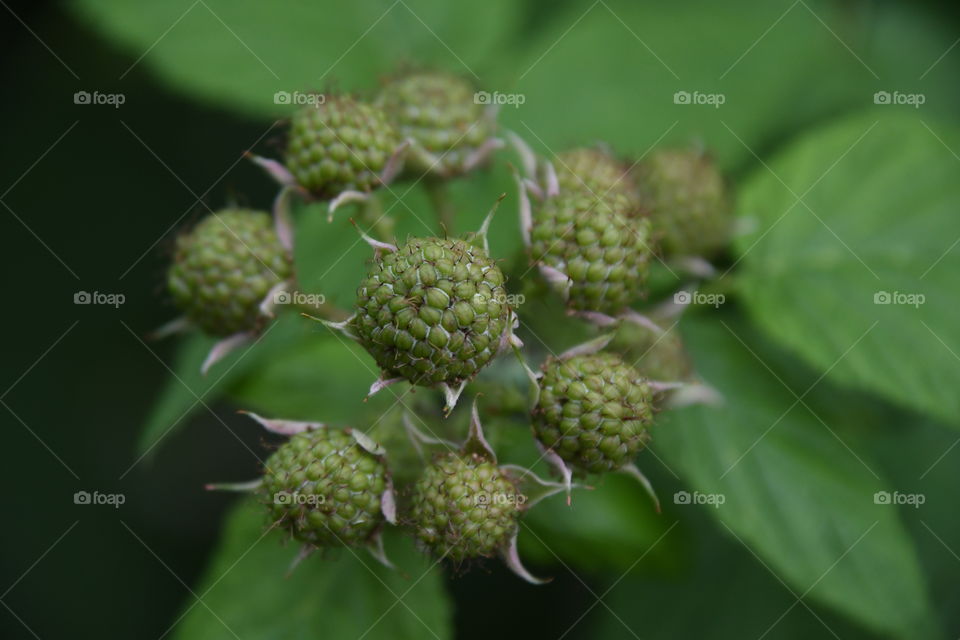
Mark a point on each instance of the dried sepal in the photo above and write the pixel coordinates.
(284, 427)
(634, 472)
(511, 557)
(225, 347)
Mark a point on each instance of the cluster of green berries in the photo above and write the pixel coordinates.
(325, 489)
(440, 114)
(434, 311)
(593, 411)
(593, 241)
(590, 234)
(597, 233)
(224, 268)
(339, 144)
(429, 120)
(686, 198)
(598, 173)
(465, 507)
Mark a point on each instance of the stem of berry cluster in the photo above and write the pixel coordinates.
(442, 204)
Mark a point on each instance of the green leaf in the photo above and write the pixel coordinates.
(796, 491)
(247, 593)
(325, 378)
(921, 458)
(692, 603)
(609, 71)
(606, 529)
(187, 390)
(238, 53)
(858, 277)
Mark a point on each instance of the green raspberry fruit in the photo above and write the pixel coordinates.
(325, 489)
(687, 200)
(594, 242)
(657, 356)
(338, 145)
(464, 507)
(596, 171)
(439, 112)
(224, 268)
(433, 311)
(593, 411)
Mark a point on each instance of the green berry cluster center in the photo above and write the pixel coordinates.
(433, 311)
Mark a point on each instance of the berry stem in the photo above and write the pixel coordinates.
(442, 204)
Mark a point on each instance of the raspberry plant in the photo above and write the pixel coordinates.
(835, 210)
(438, 312)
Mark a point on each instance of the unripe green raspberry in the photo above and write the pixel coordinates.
(325, 489)
(224, 268)
(593, 411)
(598, 172)
(657, 356)
(464, 506)
(687, 200)
(434, 311)
(595, 243)
(439, 112)
(338, 145)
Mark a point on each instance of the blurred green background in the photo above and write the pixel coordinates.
(93, 195)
